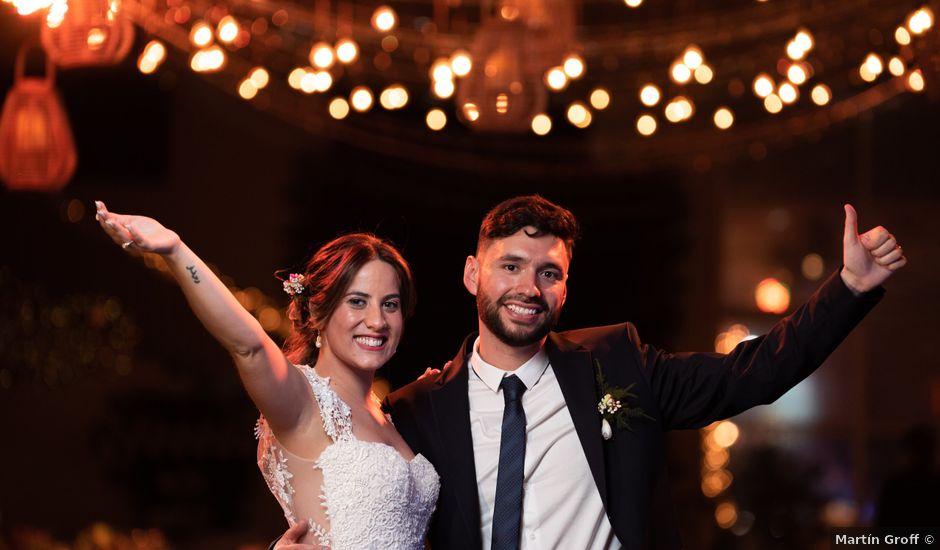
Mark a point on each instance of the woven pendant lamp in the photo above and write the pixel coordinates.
(91, 32)
(37, 152)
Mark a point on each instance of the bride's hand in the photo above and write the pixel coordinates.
(139, 232)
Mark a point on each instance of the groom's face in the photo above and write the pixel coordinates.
(520, 283)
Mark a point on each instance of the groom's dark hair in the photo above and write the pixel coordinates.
(511, 215)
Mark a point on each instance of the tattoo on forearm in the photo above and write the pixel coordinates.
(192, 273)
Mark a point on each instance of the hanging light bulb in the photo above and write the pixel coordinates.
(384, 19)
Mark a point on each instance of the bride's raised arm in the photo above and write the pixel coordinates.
(278, 390)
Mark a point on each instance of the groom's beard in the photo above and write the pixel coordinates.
(511, 334)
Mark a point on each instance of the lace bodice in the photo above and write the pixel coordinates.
(366, 494)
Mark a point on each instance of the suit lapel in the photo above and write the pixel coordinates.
(451, 408)
(575, 374)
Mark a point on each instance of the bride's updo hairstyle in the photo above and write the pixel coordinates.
(326, 278)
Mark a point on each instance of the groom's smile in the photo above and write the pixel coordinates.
(520, 285)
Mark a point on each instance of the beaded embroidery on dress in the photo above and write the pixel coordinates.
(371, 495)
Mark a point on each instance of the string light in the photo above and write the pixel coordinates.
(633, 3)
(723, 118)
(259, 77)
(339, 108)
(901, 36)
(680, 73)
(693, 57)
(394, 97)
(920, 21)
(646, 125)
(201, 34)
(796, 74)
(896, 66)
(295, 78)
(541, 124)
(321, 55)
(152, 57)
(361, 99)
(573, 66)
(821, 94)
(208, 60)
(461, 63)
(871, 67)
(556, 79)
(384, 19)
(247, 89)
(773, 104)
(915, 81)
(579, 115)
(787, 93)
(347, 50)
(600, 99)
(436, 119)
(650, 95)
(444, 88)
(227, 30)
(703, 74)
(763, 85)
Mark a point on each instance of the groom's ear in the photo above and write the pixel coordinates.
(470, 271)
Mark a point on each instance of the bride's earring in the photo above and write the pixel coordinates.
(318, 342)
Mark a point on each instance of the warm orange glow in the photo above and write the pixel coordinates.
(444, 88)
(726, 514)
(579, 115)
(247, 89)
(361, 98)
(772, 296)
(541, 124)
(201, 34)
(339, 108)
(650, 95)
(259, 77)
(150, 59)
(788, 93)
(920, 21)
(915, 81)
(727, 340)
(797, 74)
(346, 50)
(703, 74)
(723, 118)
(821, 94)
(693, 57)
(680, 73)
(394, 97)
(436, 119)
(461, 63)
(208, 60)
(902, 37)
(471, 111)
(725, 434)
(646, 125)
(295, 78)
(441, 70)
(384, 19)
(228, 29)
(633, 3)
(556, 79)
(321, 55)
(896, 66)
(573, 66)
(600, 99)
(716, 459)
(763, 85)
(773, 104)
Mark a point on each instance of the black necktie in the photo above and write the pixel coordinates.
(507, 511)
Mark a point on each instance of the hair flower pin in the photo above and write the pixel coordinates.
(294, 285)
(612, 405)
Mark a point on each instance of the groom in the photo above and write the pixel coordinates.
(513, 425)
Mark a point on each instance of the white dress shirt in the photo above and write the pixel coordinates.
(561, 507)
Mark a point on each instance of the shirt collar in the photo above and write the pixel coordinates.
(529, 372)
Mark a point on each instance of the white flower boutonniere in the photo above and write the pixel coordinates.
(611, 405)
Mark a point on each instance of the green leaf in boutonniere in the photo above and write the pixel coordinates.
(613, 406)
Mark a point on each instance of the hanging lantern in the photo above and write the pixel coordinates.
(37, 152)
(501, 93)
(89, 32)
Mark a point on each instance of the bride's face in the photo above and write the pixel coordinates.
(364, 330)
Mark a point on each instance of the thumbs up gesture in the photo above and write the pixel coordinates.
(870, 258)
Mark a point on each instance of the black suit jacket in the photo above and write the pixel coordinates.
(678, 390)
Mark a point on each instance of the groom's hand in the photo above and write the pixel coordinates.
(870, 258)
(290, 540)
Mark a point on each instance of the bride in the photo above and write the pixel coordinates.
(332, 459)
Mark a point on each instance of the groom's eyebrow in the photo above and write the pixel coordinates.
(512, 258)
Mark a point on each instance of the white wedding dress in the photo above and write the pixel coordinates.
(357, 494)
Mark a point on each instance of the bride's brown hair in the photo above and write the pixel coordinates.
(327, 276)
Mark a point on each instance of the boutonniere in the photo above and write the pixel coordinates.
(614, 407)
